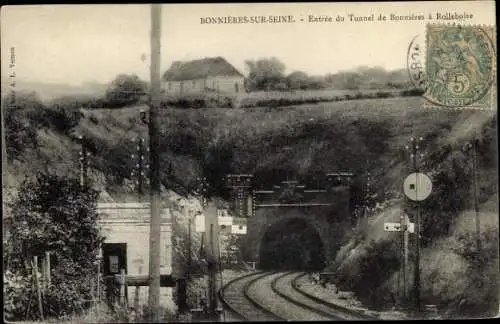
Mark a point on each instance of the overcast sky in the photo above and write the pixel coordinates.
(78, 43)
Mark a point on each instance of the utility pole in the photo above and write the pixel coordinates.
(84, 154)
(212, 257)
(155, 223)
(415, 147)
(471, 150)
(404, 224)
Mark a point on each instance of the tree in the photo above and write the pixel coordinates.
(297, 80)
(55, 214)
(125, 90)
(265, 74)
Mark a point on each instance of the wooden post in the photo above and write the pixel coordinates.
(123, 286)
(154, 156)
(47, 268)
(137, 292)
(37, 285)
(212, 256)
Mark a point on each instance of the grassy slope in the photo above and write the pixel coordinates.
(360, 136)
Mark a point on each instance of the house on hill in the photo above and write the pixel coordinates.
(203, 75)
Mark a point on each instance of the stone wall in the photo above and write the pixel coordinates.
(129, 223)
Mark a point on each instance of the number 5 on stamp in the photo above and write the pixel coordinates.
(460, 66)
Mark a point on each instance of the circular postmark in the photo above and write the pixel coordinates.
(415, 60)
(459, 68)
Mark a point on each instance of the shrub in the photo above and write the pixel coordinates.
(62, 118)
(481, 293)
(381, 94)
(58, 215)
(125, 90)
(94, 119)
(23, 117)
(18, 293)
(198, 100)
(412, 93)
(366, 275)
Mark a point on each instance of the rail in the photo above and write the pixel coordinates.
(246, 298)
(350, 312)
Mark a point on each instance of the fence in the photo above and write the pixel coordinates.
(117, 292)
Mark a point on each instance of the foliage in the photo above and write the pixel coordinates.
(298, 80)
(481, 293)
(265, 74)
(368, 78)
(199, 100)
(125, 90)
(367, 274)
(23, 116)
(54, 214)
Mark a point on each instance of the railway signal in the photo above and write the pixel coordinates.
(417, 187)
(471, 149)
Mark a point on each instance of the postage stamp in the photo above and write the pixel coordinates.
(460, 66)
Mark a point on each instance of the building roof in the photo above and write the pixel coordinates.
(200, 69)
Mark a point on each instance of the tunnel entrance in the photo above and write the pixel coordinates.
(292, 245)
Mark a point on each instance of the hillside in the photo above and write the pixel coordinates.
(360, 136)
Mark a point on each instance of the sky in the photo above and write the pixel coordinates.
(73, 44)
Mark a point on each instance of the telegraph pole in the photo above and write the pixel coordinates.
(471, 149)
(416, 282)
(155, 223)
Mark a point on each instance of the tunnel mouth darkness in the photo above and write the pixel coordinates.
(291, 245)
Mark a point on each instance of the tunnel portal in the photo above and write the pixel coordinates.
(292, 244)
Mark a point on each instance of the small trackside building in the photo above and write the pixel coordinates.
(203, 75)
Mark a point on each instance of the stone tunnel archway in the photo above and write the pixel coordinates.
(319, 227)
(292, 244)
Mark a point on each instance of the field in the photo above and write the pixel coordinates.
(277, 98)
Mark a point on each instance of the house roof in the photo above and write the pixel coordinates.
(200, 69)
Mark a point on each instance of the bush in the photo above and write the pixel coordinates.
(58, 215)
(367, 274)
(63, 119)
(412, 93)
(481, 293)
(125, 90)
(381, 94)
(199, 100)
(23, 117)
(18, 293)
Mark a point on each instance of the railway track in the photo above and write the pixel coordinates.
(277, 297)
(234, 295)
(320, 305)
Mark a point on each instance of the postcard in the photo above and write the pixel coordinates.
(250, 161)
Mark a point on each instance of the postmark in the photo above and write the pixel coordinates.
(415, 60)
(460, 66)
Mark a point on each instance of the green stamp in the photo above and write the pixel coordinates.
(460, 66)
